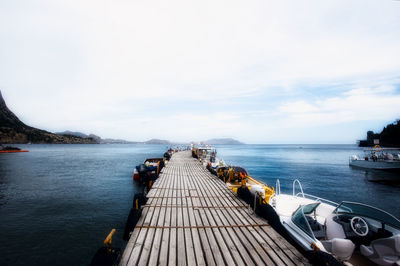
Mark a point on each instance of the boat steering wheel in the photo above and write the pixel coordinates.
(359, 226)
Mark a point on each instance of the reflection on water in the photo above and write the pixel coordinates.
(382, 176)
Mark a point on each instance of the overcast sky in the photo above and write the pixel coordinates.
(305, 71)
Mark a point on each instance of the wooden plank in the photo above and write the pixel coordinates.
(205, 244)
(199, 255)
(244, 218)
(244, 245)
(172, 242)
(225, 219)
(163, 260)
(254, 248)
(144, 257)
(180, 232)
(155, 248)
(192, 218)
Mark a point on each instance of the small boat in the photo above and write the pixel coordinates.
(377, 158)
(239, 181)
(149, 169)
(354, 233)
(9, 149)
(204, 153)
(214, 163)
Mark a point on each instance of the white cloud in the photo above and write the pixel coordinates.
(104, 65)
(380, 103)
(297, 107)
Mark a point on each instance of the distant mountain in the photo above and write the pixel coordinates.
(77, 134)
(157, 141)
(116, 141)
(95, 137)
(13, 130)
(222, 141)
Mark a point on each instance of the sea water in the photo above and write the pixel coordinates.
(59, 202)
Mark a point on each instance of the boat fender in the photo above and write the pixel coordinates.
(208, 167)
(322, 258)
(244, 194)
(131, 222)
(212, 170)
(139, 200)
(267, 212)
(104, 257)
(162, 164)
(167, 156)
(136, 176)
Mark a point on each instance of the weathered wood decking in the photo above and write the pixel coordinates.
(192, 218)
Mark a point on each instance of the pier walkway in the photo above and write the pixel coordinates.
(193, 218)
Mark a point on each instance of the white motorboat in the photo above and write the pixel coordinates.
(214, 163)
(204, 153)
(352, 232)
(377, 158)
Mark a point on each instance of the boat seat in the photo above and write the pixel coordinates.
(333, 229)
(316, 227)
(340, 248)
(384, 251)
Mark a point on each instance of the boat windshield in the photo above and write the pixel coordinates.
(310, 208)
(299, 218)
(367, 211)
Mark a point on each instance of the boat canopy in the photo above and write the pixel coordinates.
(367, 211)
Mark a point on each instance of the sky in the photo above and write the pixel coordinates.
(259, 71)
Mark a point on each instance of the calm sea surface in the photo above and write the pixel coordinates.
(59, 202)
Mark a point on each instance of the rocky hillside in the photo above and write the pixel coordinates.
(389, 137)
(13, 130)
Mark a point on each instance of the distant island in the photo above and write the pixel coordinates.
(13, 130)
(158, 141)
(222, 141)
(95, 138)
(389, 137)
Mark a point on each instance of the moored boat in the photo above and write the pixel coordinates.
(149, 169)
(10, 149)
(377, 158)
(204, 154)
(239, 181)
(354, 233)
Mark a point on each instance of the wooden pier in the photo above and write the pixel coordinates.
(193, 218)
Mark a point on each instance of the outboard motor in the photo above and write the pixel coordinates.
(142, 172)
(257, 190)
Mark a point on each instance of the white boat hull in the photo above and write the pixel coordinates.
(378, 165)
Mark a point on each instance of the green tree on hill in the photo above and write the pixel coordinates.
(390, 135)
